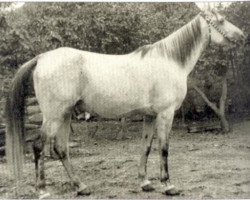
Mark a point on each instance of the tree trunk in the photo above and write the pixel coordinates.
(231, 58)
(224, 123)
(221, 110)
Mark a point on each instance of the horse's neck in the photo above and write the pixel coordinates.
(197, 49)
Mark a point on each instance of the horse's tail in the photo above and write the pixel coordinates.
(14, 111)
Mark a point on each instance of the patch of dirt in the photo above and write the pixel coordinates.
(201, 165)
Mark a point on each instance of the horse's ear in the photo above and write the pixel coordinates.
(205, 7)
(200, 5)
(209, 7)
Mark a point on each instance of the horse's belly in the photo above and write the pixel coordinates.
(111, 106)
(114, 100)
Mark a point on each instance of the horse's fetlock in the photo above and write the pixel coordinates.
(165, 178)
(141, 175)
(40, 184)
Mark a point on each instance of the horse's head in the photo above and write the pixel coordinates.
(221, 31)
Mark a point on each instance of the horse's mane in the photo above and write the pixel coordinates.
(178, 45)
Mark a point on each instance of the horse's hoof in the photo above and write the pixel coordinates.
(43, 194)
(170, 190)
(146, 186)
(83, 191)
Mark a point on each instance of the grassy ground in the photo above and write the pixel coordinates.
(204, 165)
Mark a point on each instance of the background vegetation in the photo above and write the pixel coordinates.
(118, 28)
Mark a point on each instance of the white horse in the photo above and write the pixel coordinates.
(152, 81)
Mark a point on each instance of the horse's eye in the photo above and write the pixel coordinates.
(221, 20)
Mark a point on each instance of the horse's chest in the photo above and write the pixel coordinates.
(181, 92)
(169, 94)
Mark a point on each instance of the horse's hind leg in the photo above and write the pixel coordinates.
(39, 153)
(147, 138)
(62, 150)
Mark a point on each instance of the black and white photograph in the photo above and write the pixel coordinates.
(124, 100)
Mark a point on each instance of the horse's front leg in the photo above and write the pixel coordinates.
(163, 125)
(147, 138)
